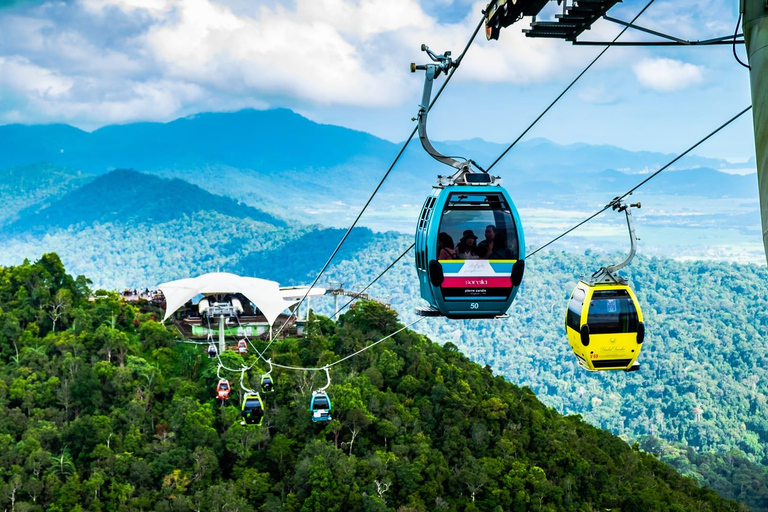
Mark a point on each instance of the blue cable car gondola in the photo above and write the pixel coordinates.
(461, 276)
(470, 249)
(320, 406)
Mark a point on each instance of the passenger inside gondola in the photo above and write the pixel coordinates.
(485, 248)
(500, 249)
(467, 248)
(445, 247)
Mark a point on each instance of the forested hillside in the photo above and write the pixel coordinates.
(35, 185)
(101, 410)
(699, 400)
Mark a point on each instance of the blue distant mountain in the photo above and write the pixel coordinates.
(280, 140)
(129, 198)
(280, 162)
(264, 140)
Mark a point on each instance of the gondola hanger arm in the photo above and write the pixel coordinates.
(242, 373)
(328, 383)
(609, 273)
(442, 64)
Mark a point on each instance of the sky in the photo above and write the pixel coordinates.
(90, 63)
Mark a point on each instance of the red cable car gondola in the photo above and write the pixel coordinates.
(223, 389)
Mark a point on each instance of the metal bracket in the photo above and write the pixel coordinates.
(671, 40)
(443, 64)
(608, 275)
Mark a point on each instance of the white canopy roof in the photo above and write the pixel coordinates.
(264, 294)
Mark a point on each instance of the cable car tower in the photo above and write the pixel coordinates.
(224, 311)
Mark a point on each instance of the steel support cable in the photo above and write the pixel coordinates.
(514, 143)
(350, 356)
(376, 279)
(317, 369)
(386, 174)
(646, 180)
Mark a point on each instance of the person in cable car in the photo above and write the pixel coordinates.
(223, 389)
(252, 410)
(242, 347)
(445, 247)
(467, 248)
(320, 407)
(485, 248)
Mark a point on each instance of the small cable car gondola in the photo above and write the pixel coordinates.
(242, 347)
(267, 385)
(603, 321)
(320, 407)
(470, 249)
(320, 404)
(212, 352)
(223, 389)
(252, 409)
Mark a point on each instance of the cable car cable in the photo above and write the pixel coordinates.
(646, 180)
(296, 368)
(386, 174)
(375, 279)
(319, 369)
(504, 153)
(735, 34)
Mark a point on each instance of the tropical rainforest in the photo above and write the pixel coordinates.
(101, 409)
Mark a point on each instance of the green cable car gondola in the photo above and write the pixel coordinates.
(253, 409)
(266, 384)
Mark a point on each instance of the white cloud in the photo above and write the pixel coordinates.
(156, 7)
(19, 74)
(662, 74)
(153, 100)
(304, 54)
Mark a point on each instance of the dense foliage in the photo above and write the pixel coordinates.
(101, 410)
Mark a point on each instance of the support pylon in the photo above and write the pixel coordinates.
(755, 26)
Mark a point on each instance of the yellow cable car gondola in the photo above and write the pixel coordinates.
(603, 321)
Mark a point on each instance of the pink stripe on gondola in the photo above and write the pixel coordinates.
(477, 282)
